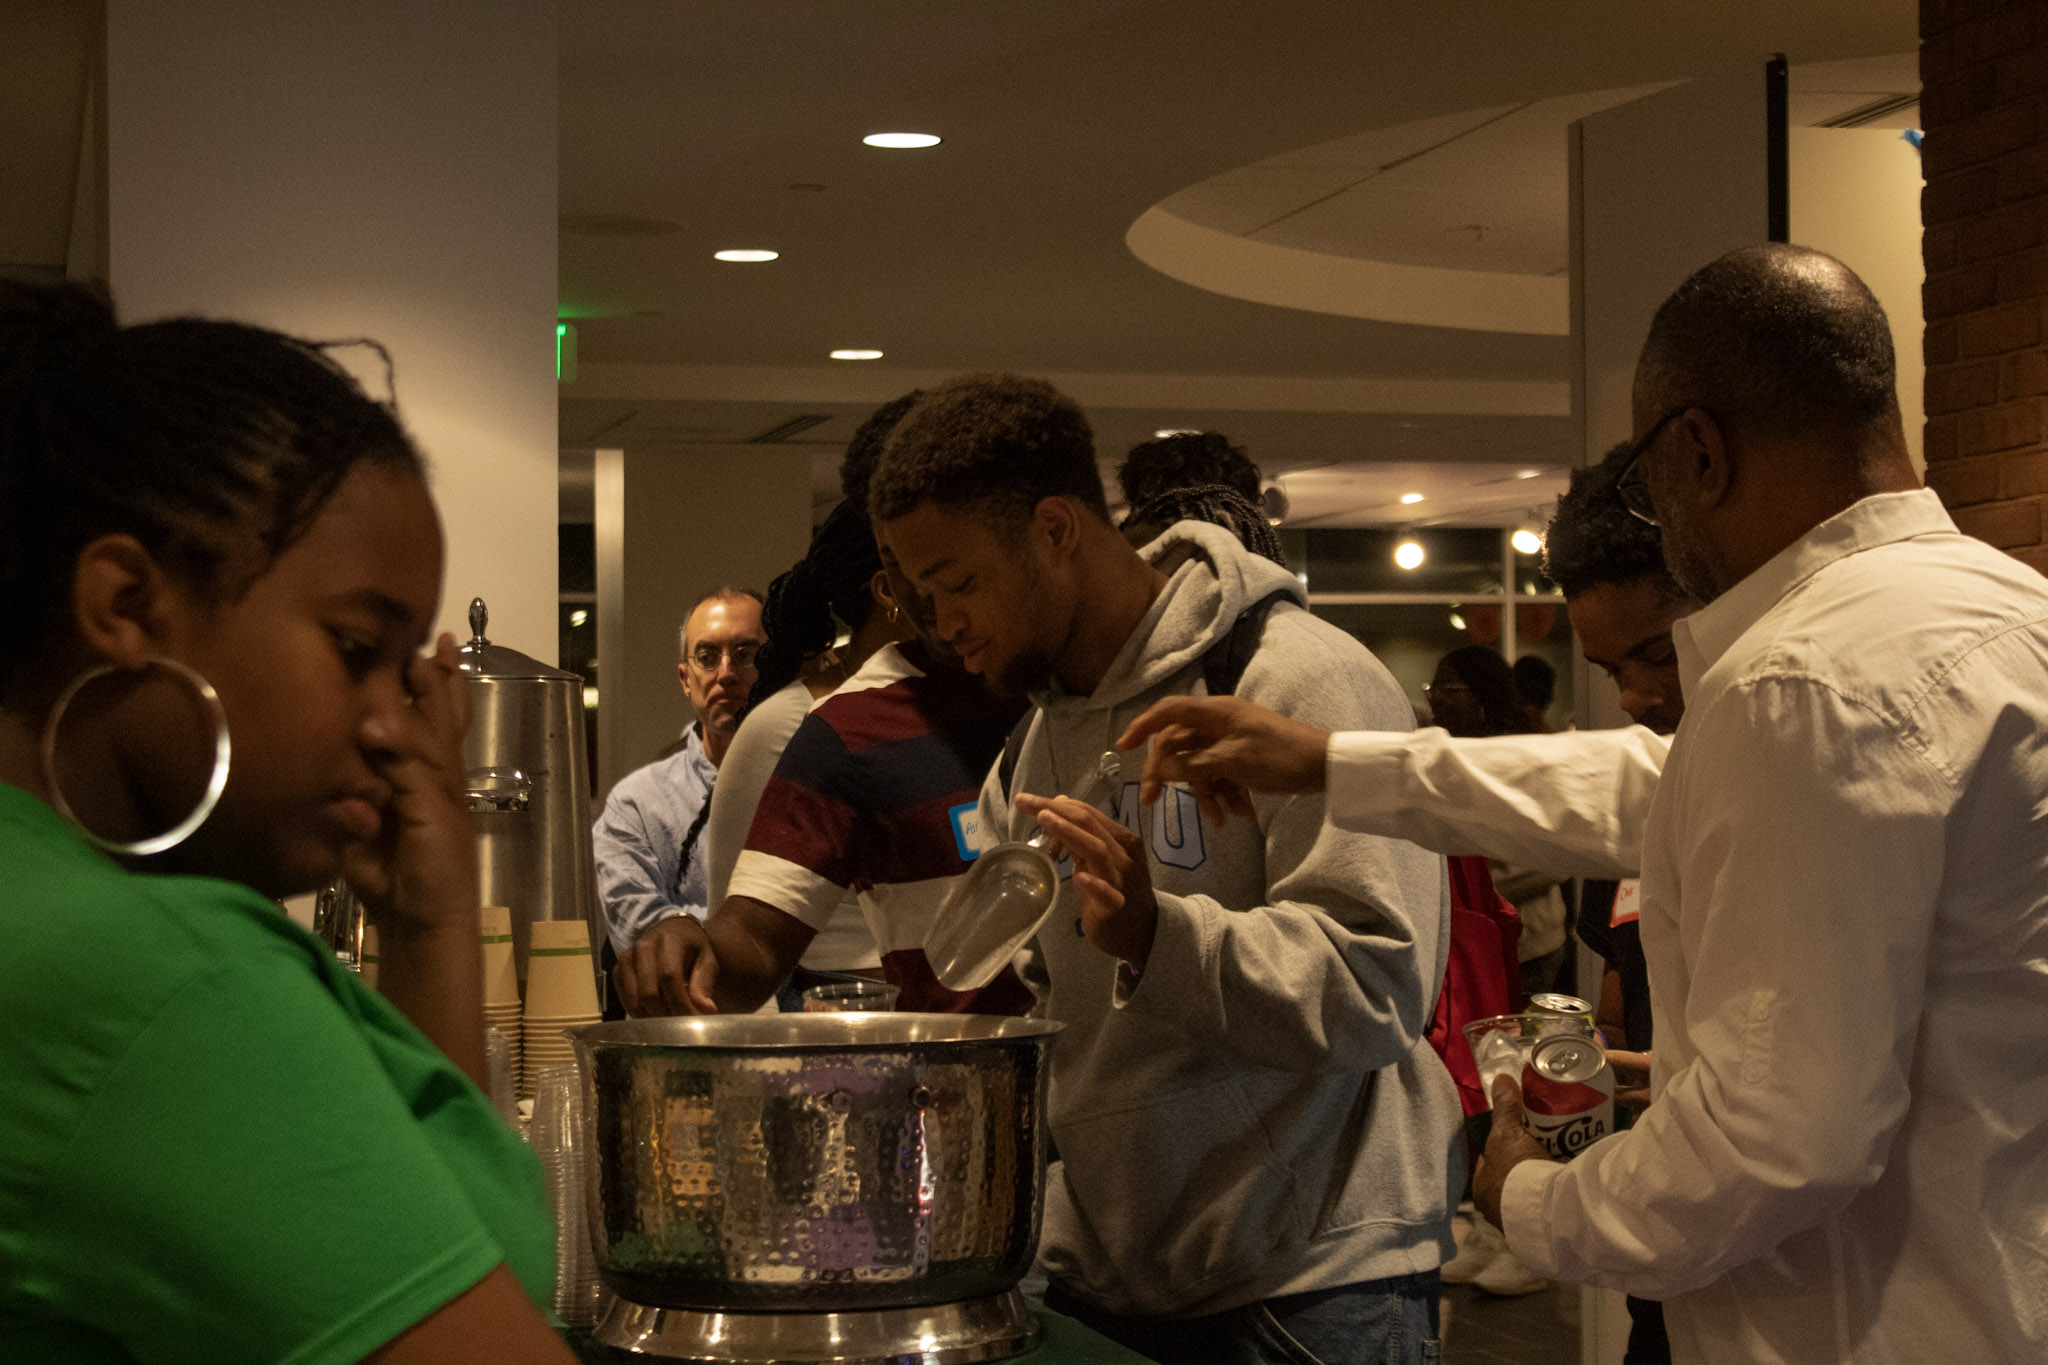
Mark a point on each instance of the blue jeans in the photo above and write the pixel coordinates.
(1374, 1322)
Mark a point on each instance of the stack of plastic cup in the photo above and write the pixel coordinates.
(561, 993)
(503, 1077)
(369, 958)
(557, 1138)
(502, 1010)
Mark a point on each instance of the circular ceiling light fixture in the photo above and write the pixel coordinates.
(746, 256)
(1526, 541)
(1529, 473)
(902, 141)
(856, 355)
(1410, 499)
(1164, 432)
(1409, 555)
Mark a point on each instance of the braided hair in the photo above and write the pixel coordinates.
(864, 451)
(1216, 504)
(830, 581)
(214, 444)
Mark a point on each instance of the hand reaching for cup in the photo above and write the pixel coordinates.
(1223, 749)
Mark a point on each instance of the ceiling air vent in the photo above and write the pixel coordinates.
(790, 430)
(618, 225)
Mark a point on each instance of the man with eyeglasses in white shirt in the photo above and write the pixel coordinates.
(1845, 870)
(650, 863)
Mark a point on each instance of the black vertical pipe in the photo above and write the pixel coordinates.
(1778, 187)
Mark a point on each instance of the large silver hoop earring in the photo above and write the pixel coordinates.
(216, 781)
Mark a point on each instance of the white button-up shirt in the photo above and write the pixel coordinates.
(1574, 804)
(1845, 915)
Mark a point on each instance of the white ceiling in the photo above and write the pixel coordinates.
(690, 127)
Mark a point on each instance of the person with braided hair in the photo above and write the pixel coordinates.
(834, 584)
(1214, 503)
(219, 569)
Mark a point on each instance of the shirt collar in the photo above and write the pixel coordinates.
(1880, 519)
(693, 749)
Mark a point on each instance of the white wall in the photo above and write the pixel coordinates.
(672, 524)
(1855, 194)
(1660, 186)
(346, 168)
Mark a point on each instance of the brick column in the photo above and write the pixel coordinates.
(1984, 107)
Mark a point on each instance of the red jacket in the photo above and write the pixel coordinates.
(1481, 974)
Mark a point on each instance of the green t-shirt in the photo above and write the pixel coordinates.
(216, 1145)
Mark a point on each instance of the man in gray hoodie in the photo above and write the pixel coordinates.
(1258, 1147)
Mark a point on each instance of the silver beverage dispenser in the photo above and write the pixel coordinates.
(529, 790)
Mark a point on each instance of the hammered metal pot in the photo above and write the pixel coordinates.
(814, 1162)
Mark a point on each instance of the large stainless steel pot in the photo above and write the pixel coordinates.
(529, 789)
(814, 1162)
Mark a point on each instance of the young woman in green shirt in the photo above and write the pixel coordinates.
(215, 1144)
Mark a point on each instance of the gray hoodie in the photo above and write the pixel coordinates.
(1261, 1113)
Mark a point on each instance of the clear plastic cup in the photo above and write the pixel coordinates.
(1504, 1043)
(848, 997)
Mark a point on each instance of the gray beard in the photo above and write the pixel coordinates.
(1690, 567)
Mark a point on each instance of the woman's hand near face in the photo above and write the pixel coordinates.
(420, 871)
(417, 879)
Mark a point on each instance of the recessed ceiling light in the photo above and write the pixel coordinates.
(856, 355)
(745, 255)
(902, 141)
(1409, 555)
(1528, 474)
(1526, 541)
(1411, 498)
(1164, 432)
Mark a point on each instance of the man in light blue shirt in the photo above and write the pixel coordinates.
(649, 861)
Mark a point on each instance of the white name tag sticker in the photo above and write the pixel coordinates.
(1628, 903)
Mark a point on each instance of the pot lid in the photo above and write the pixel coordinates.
(482, 659)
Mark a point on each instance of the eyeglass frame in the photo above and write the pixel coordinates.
(740, 663)
(1632, 485)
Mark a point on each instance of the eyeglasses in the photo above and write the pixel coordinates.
(707, 656)
(1633, 485)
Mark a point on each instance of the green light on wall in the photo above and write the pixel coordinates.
(565, 353)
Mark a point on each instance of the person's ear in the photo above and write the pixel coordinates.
(123, 604)
(1056, 523)
(1710, 465)
(878, 588)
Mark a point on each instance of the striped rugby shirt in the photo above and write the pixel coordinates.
(877, 794)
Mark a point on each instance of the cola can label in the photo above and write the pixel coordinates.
(1568, 1095)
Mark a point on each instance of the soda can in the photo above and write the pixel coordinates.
(1550, 1002)
(1568, 1058)
(1568, 1094)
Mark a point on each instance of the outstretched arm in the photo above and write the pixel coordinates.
(1571, 804)
(1222, 749)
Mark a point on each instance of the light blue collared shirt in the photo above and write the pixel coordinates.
(641, 876)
